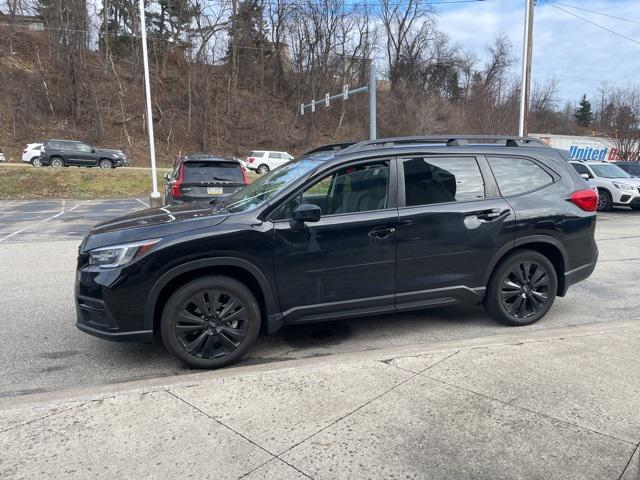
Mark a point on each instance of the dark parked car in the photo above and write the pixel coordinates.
(376, 227)
(65, 153)
(632, 168)
(198, 178)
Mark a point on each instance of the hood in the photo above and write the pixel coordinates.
(109, 150)
(152, 223)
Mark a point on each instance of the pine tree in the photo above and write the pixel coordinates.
(583, 113)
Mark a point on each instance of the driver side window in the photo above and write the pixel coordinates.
(358, 188)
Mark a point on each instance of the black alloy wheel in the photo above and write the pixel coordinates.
(210, 322)
(525, 289)
(522, 288)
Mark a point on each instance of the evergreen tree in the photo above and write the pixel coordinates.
(583, 113)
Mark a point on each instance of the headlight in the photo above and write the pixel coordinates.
(623, 186)
(119, 255)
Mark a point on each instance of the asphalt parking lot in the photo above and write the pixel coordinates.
(41, 350)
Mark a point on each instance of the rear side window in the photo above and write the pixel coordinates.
(516, 176)
(212, 172)
(55, 145)
(430, 180)
(256, 153)
(275, 155)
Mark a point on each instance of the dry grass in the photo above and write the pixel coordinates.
(27, 182)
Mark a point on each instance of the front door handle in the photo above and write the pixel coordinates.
(382, 232)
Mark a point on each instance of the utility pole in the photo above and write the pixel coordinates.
(155, 195)
(525, 90)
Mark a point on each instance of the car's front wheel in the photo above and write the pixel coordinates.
(210, 322)
(522, 288)
(605, 202)
(35, 161)
(104, 163)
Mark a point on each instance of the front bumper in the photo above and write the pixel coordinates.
(105, 310)
(139, 336)
(627, 198)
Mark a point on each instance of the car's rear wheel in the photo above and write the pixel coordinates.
(35, 161)
(104, 163)
(605, 202)
(210, 322)
(522, 288)
(56, 162)
(262, 169)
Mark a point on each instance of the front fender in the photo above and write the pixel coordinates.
(274, 317)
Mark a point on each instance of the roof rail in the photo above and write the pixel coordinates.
(330, 147)
(449, 140)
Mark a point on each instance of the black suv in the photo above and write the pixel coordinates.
(64, 153)
(374, 227)
(201, 177)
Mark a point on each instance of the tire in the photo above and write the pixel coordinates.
(56, 162)
(517, 295)
(214, 342)
(262, 169)
(635, 207)
(104, 163)
(35, 161)
(605, 202)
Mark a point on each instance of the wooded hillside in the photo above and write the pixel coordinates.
(228, 76)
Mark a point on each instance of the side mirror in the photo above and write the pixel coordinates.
(307, 212)
(93, 149)
(585, 176)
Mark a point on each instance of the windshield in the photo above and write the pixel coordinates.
(200, 172)
(609, 171)
(269, 185)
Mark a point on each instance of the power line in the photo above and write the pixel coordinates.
(630, 20)
(548, 2)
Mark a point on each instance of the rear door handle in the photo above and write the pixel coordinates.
(491, 214)
(382, 232)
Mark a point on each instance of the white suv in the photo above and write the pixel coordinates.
(615, 186)
(263, 161)
(31, 154)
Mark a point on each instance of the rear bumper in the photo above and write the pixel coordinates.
(578, 274)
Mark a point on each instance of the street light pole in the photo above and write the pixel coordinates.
(526, 69)
(155, 195)
(372, 101)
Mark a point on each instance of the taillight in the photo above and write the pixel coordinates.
(244, 176)
(175, 187)
(252, 159)
(586, 199)
(25, 150)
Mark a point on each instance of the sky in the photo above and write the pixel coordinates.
(579, 55)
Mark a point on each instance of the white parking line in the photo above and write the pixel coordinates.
(43, 221)
(144, 203)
